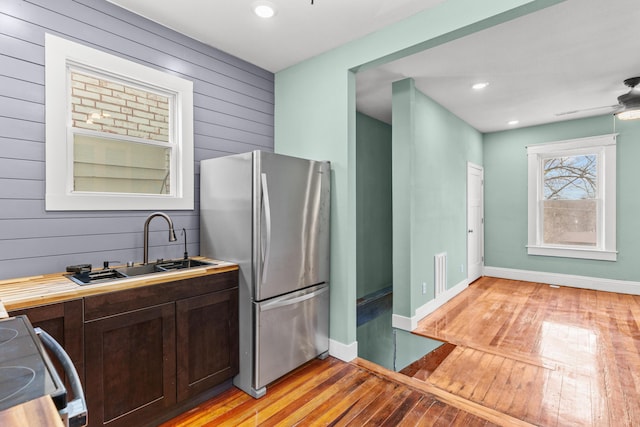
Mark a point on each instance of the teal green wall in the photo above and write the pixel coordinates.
(431, 149)
(411, 347)
(505, 161)
(373, 224)
(315, 118)
(373, 205)
(392, 348)
(376, 341)
(403, 99)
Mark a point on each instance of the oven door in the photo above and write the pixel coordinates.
(74, 414)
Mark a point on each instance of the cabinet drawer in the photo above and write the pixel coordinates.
(109, 304)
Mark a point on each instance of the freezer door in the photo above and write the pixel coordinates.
(291, 240)
(290, 330)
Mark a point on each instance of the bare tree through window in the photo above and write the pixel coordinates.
(570, 200)
(570, 178)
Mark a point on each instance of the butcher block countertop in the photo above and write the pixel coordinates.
(32, 291)
(38, 412)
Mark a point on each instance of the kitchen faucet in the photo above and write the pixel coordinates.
(186, 254)
(172, 234)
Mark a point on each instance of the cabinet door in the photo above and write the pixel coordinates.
(63, 321)
(130, 366)
(207, 330)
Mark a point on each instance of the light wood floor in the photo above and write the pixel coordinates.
(525, 354)
(549, 356)
(334, 393)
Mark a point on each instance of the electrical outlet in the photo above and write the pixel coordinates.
(461, 268)
(424, 288)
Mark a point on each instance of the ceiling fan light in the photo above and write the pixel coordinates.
(630, 102)
(629, 114)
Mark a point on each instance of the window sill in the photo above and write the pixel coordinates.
(117, 201)
(595, 254)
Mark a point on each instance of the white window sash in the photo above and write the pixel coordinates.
(605, 147)
(61, 53)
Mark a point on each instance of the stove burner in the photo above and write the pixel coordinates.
(7, 334)
(25, 371)
(14, 379)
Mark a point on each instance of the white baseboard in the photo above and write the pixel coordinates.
(344, 352)
(410, 323)
(570, 280)
(403, 322)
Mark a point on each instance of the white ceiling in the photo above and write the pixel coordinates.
(568, 57)
(571, 56)
(299, 30)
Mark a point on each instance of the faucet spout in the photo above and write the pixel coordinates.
(172, 234)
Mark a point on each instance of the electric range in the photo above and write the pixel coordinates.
(27, 373)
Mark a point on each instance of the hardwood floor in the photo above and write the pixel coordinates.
(522, 354)
(333, 393)
(549, 356)
(422, 368)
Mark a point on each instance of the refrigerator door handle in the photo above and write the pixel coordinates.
(283, 302)
(267, 220)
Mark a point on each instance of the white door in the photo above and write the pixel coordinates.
(475, 221)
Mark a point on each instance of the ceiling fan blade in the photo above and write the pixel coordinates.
(602, 107)
(630, 100)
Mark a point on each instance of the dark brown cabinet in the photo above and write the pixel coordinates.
(207, 337)
(131, 366)
(63, 321)
(154, 350)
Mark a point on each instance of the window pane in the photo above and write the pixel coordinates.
(115, 166)
(570, 222)
(570, 200)
(570, 178)
(104, 105)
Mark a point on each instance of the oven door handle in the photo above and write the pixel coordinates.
(77, 408)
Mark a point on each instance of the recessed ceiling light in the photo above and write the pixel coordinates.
(513, 122)
(264, 9)
(480, 85)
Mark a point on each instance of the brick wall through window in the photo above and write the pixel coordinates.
(112, 107)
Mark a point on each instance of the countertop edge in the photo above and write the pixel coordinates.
(34, 291)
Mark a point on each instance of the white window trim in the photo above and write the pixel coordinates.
(605, 145)
(59, 152)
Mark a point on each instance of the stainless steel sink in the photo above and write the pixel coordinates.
(139, 270)
(181, 263)
(85, 276)
(161, 266)
(98, 276)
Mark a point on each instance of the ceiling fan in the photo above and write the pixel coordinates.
(630, 102)
(628, 106)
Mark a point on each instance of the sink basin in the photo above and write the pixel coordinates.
(180, 264)
(139, 269)
(161, 266)
(98, 276)
(86, 277)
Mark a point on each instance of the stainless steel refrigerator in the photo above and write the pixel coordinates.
(269, 213)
